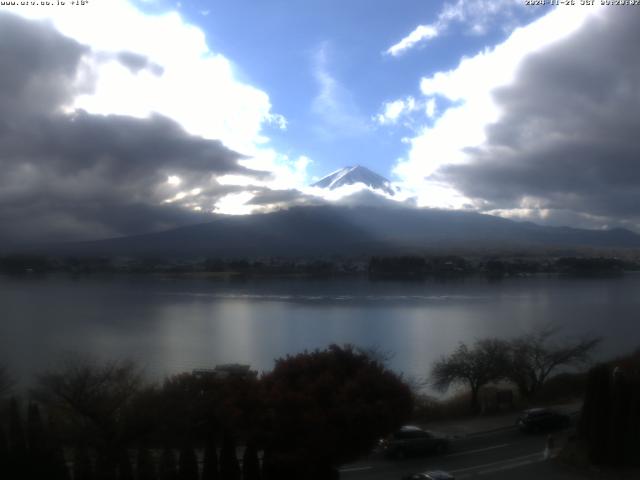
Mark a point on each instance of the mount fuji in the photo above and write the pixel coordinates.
(312, 231)
(355, 175)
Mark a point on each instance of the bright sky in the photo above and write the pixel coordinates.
(302, 88)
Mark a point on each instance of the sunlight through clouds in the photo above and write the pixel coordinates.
(469, 87)
(160, 64)
(167, 107)
(235, 204)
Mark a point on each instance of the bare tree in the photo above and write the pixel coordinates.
(92, 397)
(474, 367)
(533, 357)
(377, 354)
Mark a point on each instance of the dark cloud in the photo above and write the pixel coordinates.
(569, 137)
(276, 199)
(71, 176)
(136, 62)
(264, 197)
(38, 66)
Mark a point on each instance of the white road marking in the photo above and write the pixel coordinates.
(511, 466)
(466, 452)
(524, 459)
(356, 469)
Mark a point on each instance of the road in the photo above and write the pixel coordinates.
(500, 455)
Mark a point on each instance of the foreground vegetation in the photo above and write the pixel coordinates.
(313, 412)
(526, 362)
(608, 432)
(609, 429)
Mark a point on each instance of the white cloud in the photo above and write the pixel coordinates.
(197, 87)
(392, 111)
(469, 87)
(186, 81)
(278, 120)
(421, 33)
(337, 114)
(286, 173)
(476, 15)
(344, 191)
(174, 180)
(430, 108)
(235, 204)
(407, 112)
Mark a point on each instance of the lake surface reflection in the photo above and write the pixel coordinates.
(173, 325)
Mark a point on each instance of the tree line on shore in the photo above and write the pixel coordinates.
(404, 266)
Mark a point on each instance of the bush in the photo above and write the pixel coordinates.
(330, 406)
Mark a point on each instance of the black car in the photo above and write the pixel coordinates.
(411, 440)
(433, 475)
(542, 419)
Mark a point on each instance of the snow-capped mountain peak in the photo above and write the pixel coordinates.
(354, 175)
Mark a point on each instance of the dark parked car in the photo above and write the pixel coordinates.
(410, 441)
(541, 419)
(433, 475)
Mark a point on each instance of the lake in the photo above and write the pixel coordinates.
(171, 325)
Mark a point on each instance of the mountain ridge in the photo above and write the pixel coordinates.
(315, 231)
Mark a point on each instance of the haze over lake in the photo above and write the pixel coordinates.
(172, 325)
